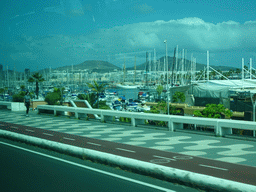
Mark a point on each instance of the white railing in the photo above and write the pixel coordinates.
(221, 127)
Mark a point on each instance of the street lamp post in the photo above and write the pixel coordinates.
(167, 82)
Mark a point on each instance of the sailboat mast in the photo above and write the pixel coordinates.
(124, 70)
(155, 64)
(134, 70)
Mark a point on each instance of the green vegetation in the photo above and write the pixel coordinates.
(54, 97)
(98, 88)
(22, 87)
(178, 97)
(162, 108)
(91, 98)
(3, 91)
(103, 105)
(159, 90)
(19, 97)
(213, 111)
(125, 119)
(36, 78)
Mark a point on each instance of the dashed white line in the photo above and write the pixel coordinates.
(164, 158)
(29, 130)
(126, 150)
(14, 127)
(94, 144)
(68, 138)
(213, 167)
(48, 134)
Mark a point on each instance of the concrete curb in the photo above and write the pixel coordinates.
(171, 174)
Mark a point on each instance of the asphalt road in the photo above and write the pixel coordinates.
(28, 168)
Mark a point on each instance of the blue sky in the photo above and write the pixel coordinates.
(52, 33)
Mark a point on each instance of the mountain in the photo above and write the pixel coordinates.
(187, 65)
(104, 66)
(91, 66)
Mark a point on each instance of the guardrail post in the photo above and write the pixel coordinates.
(102, 117)
(171, 125)
(218, 131)
(223, 130)
(76, 114)
(133, 122)
(55, 111)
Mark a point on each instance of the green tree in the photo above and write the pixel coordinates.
(91, 98)
(199, 74)
(213, 111)
(178, 97)
(159, 90)
(19, 97)
(22, 87)
(98, 88)
(238, 71)
(36, 77)
(2, 91)
(161, 108)
(213, 74)
(231, 72)
(54, 97)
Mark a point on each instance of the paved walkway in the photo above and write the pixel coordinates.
(211, 147)
(207, 162)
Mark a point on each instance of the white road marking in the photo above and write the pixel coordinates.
(29, 130)
(94, 144)
(164, 158)
(183, 157)
(213, 167)
(48, 134)
(68, 138)
(14, 127)
(93, 169)
(126, 150)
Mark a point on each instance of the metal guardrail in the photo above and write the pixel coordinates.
(221, 127)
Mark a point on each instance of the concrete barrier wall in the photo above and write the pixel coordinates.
(13, 106)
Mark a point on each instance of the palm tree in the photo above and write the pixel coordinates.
(98, 88)
(213, 74)
(238, 71)
(36, 77)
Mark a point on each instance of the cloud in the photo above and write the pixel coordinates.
(189, 33)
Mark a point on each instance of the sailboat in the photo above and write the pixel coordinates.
(127, 85)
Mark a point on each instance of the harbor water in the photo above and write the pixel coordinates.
(128, 93)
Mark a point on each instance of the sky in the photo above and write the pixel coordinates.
(41, 34)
